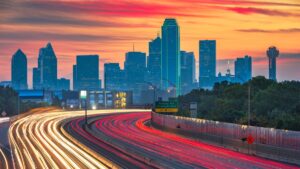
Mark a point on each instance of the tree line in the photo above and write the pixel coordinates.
(273, 104)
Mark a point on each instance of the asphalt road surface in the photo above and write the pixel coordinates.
(112, 139)
(131, 143)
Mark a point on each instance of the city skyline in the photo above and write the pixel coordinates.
(90, 33)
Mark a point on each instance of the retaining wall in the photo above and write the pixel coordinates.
(282, 145)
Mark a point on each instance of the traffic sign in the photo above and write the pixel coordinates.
(170, 106)
(250, 139)
(83, 94)
(166, 110)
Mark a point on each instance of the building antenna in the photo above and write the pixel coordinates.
(228, 70)
(158, 35)
(133, 47)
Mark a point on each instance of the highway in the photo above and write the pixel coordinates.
(38, 140)
(112, 139)
(138, 144)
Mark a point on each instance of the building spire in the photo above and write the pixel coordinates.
(133, 47)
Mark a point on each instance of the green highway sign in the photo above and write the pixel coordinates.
(167, 106)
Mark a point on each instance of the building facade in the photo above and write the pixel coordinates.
(19, 71)
(47, 68)
(170, 62)
(63, 84)
(272, 54)
(154, 62)
(114, 77)
(207, 63)
(86, 73)
(243, 69)
(187, 71)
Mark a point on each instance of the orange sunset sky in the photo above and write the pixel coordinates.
(110, 27)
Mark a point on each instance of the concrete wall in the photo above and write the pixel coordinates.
(270, 143)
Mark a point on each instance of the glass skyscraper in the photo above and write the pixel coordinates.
(243, 69)
(207, 63)
(19, 71)
(187, 71)
(170, 62)
(135, 68)
(86, 73)
(114, 77)
(154, 62)
(272, 53)
(47, 68)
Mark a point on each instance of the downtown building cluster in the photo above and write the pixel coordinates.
(166, 72)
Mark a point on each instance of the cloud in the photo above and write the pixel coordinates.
(49, 36)
(291, 30)
(110, 8)
(54, 19)
(252, 10)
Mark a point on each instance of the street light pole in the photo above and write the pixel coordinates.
(249, 103)
(85, 111)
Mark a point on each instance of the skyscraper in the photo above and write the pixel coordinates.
(86, 72)
(47, 65)
(19, 70)
(114, 77)
(36, 78)
(154, 62)
(243, 69)
(63, 84)
(187, 71)
(170, 62)
(272, 53)
(135, 67)
(207, 63)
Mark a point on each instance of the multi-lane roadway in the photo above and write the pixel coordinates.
(136, 142)
(113, 139)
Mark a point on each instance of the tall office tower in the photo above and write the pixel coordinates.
(47, 64)
(114, 77)
(36, 78)
(187, 60)
(207, 63)
(135, 67)
(272, 53)
(170, 62)
(243, 69)
(63, 84)
(19, 70)
(86, 72)
(75, 77)
(154, 62)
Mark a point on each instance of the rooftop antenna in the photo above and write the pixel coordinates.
(158, 35)
(228, 70)
(133, 47)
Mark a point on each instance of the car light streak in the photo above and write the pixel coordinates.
(38, 141)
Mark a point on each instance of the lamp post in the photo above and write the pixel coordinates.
(154, 92)
(172, 84)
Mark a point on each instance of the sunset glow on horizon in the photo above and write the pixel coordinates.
(110, 28)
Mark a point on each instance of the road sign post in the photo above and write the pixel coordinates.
(83, 96)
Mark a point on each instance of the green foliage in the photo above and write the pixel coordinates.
(273, 104)
(9, 102)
